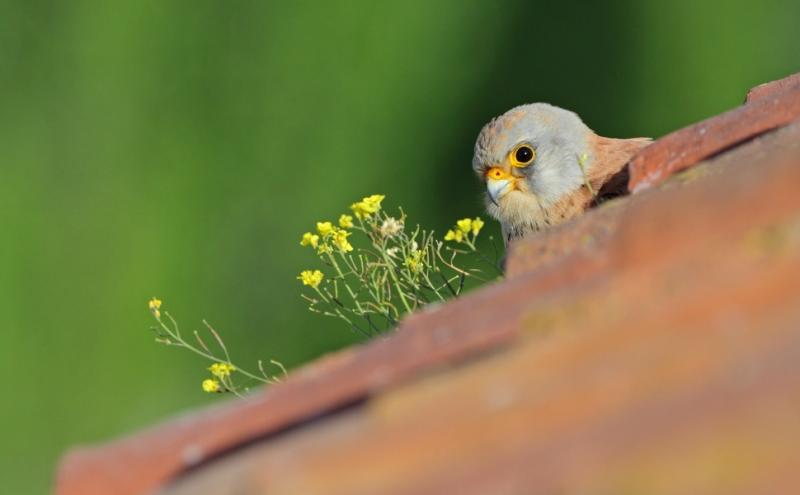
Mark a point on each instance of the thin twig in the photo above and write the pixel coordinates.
(200, 341)
(218, 339)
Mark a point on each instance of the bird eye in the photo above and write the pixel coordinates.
(522, 156)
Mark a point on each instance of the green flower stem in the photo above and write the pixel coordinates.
(451, 265)
(435, 290)
(227, 382)
(338, 313)
(371, 288)
(489, 262)
(396, 282)
(344, 281)
(177, 338)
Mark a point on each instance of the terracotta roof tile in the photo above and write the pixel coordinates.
(773, 88)
(768, 106)
(646, 379)
(631, 350)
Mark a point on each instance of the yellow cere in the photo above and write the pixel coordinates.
(497, 173)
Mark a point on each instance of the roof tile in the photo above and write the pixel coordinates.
(768, 106)
(657, 324)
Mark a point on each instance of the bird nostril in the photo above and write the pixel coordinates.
(496, 173)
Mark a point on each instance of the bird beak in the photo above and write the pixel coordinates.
(498, 183)
(497, 189)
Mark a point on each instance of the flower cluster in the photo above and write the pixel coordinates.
(396, 270)
(329, 236)
(310, 239)
(368, 206)
(155, 306)
(220, 382)
(415, 261)
(345, 221)
(211, 385)
(311, 278)
(221, 370)
(465, 230)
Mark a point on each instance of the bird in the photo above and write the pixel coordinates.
(542, 166)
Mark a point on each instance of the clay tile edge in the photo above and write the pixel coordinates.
(768, 106)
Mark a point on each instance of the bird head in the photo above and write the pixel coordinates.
(530, 158)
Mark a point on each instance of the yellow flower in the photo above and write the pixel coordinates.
(361, 210)
(374, 202)
(464, 225)
(339, 240)
(477, 225)
(154, 305)
(310, 239)
(367, 206)
(221, 370)
(345, 221)
(324, 249)
(463, 228)
(414, 261)
(311, 278)
(325, 228)
(210, 385)
(454, 235)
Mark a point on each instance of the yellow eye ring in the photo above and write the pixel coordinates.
(522, 156)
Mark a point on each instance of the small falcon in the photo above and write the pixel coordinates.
(542, 166)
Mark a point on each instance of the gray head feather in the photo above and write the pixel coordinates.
(559, 138)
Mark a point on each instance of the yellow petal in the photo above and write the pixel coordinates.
(210, 385)
(464, 225)
(325, 228)
(477, 225)
(345, 221)
(309, 239)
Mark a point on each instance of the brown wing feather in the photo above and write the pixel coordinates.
(608, 170)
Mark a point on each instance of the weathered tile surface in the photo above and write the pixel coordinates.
(651, 346)
(768, 106)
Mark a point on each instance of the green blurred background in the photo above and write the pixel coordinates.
(179, 149)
